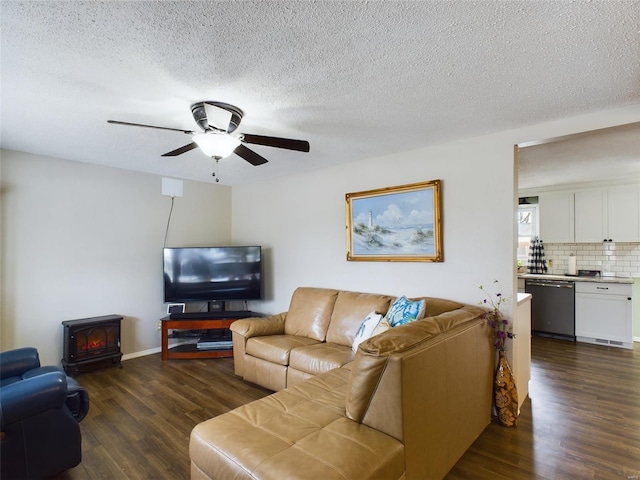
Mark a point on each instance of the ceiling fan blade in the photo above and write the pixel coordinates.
(181, 150)
(117, 122)
(289, 144)
(249, 155)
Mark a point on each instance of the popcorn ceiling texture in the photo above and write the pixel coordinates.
(623, 259)
(357, 79)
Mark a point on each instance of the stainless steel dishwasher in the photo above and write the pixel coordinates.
(552, 308)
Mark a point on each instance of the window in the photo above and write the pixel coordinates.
(527, 228)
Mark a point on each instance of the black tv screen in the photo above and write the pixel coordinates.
(212, 273)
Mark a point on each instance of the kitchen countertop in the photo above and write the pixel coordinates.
(548, 276)
(523, 297)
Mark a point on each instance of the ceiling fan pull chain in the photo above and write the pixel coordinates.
(214, 174)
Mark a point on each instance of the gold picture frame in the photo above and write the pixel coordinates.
(395, 224)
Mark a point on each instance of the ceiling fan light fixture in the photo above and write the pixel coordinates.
(216, 145)
(218, 120)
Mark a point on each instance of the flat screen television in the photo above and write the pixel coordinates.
(212, 274)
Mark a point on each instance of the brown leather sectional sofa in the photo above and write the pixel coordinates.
(406, 405)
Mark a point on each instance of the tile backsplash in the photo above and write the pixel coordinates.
(621, 259)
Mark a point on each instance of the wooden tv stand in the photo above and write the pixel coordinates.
(191, 351)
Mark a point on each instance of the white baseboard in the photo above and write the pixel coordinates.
(143, 353)
(636, 339)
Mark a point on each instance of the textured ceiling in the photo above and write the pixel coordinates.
(356, 79)
(606, 154)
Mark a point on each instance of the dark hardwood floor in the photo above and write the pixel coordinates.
(582, 420)
(141, 415)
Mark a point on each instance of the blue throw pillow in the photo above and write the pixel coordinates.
(404, 311)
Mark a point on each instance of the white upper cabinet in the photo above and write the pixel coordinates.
(556, 217)
(609, 215)
(623, 209)
(591, 216)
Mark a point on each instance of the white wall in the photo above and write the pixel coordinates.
(300, 219)
(80, 240)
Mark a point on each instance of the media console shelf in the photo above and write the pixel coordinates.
(191, 350)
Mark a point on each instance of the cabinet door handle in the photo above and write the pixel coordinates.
(602, 288)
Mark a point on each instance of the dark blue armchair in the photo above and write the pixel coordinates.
(40, 408)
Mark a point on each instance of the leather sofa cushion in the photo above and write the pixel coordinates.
(276, 348)
(310, 312)
(299, 432)
(295, 377)
(373, 354)
(448, 320)
(320, 358)
(350, 309)
(437, 306)
(266, 374)
(406, 336)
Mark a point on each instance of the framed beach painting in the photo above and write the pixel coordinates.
(395, 224)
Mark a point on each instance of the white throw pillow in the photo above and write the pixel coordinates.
(383, 326)
(366, 329)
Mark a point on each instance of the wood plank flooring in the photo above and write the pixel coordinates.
(582, 420)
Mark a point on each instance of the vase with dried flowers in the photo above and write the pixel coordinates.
(505, 395)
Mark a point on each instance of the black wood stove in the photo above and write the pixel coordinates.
(91, 342)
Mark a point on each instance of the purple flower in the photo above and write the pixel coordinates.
(495, 320)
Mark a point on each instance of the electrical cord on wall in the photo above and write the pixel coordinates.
(166, 233)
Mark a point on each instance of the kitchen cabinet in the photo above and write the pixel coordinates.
(610, 215)
(591, 216)
(556, 217)
(623, 211)
(603, 314)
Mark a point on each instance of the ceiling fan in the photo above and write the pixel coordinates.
(218, 121)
